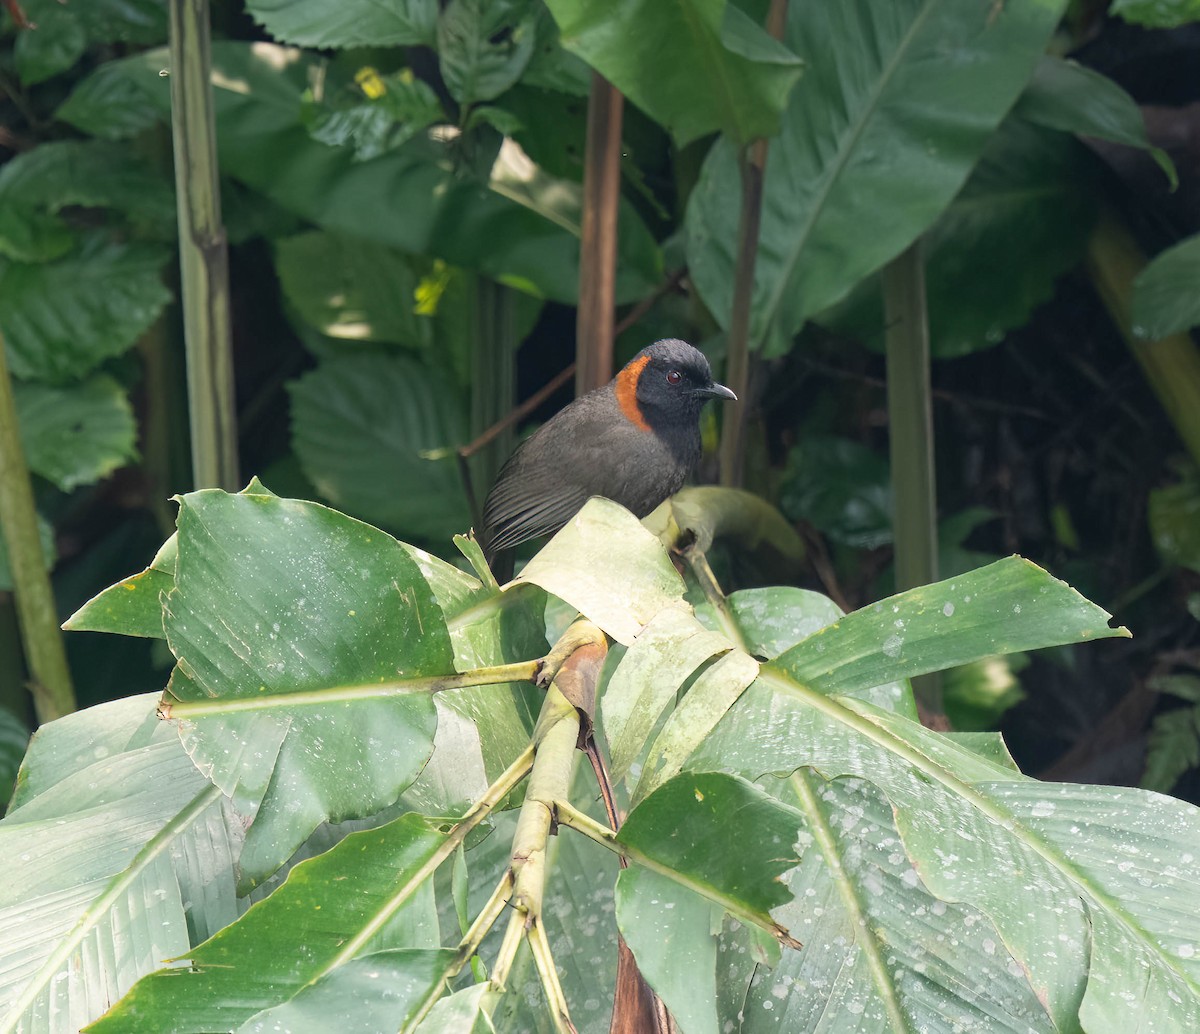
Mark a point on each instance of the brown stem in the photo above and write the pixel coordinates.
(598, 246)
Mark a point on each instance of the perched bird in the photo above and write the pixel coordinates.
(634, 441)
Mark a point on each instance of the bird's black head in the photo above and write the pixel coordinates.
(663, 387)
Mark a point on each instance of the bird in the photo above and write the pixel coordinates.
(634, 441)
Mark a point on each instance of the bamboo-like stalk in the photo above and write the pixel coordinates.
(53, 694)
(598, 244)
(203, 254)
(1172, 365)
(735, 416)
(910, 427)
(493, 383)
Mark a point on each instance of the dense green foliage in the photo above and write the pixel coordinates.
(402, 190)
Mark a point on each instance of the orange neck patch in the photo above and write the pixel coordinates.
(626, 391)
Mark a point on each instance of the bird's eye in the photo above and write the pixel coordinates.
(674, 376)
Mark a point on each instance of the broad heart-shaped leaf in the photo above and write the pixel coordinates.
(117, 856)
(1045, 862)
(94, 174)
(352, 289)
(376, 435)
(53, 46)
(30, 235)
(63, 318)
(697, 67)
(1164, 296)
(351, 23)
(483, 46)
(276, 596)
(370, 892)
(607, 566)
(419, 199)
(895, 105)
(1065, 95)
(76, 434)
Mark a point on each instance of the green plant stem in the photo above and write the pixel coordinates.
(555, 737)
(910, 426)
(698, 562)
(518, 671)
(493, 382)
(203, 254)
(53, 695)
(598, 238)
(1171, 365)
(735, 415)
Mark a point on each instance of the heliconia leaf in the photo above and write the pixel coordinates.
(119, 855)
(721, 71)
(257, 576)
(619, 591)
(368, 893)
(867, 129)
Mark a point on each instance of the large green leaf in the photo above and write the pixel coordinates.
(712, 832)
(94, 174)
(118, 856)
(697, 66)
(1020, 222)
(110, 104)
(64, 318)
(620, 591)
(53, 46)
(882, 953)
(372, 894)
(256, 579)
(1165, 300)
(513, 223)
(1006, 607)
(773, 620)
(1158, 14)
(1098, 872)
(483, 46)
(376, 435)
(661, 659)
(351, 23)
(895, 107)
(132, 606)
(77, 434)
(1065, 95)
(352, 289)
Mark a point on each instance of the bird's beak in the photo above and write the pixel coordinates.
(715, 391)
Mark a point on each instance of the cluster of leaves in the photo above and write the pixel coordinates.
(390, 181)
(778, 785)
